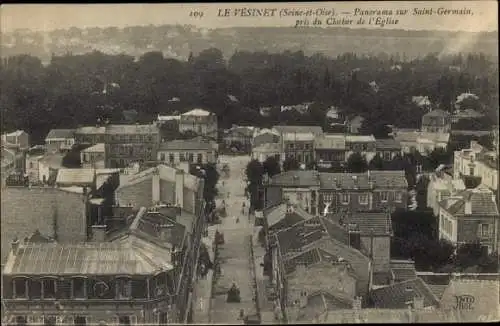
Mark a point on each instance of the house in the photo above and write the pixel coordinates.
(264, 151)
(355, 124)
(470, 216)
(76, 178)
(424, 142)
(55, 212)
(298, 141)
(355, 192)
(199, 121)
(422, 101)
(330, 148)
(478, 162)
(265, 136)
(60, 140)
(94, 157)
(192, 151)
(18, 139)
(441, 186)
(298, 108)
(88, 282)
(33, 157)
(12, 159)
(334, 113)
(48, 166)
(388, 148)
(239, 136)
(466, 114)
(436, 121)
(160, 184)
(414, 293)
(265, 111)
(364, 145)
(90, 135)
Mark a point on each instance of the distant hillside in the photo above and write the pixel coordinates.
(179, 41)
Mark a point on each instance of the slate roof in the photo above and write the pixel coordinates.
(132, 129)
(180, 144)
(284, 215)
(149, 225)
(387, 144)
(301, 234)
(299, 129)
(398, 295)
(84, 259)
(75, 176)
(308, 258)
(60, 133)
(437, 113)
(482, 203)
(198, 112)
(296, 178)
(380, 179)
(320, 302)
(166, 173)
(365, 222)
(97, 148)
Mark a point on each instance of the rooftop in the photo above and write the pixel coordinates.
(437, 113)
(268, 147)
(365, 222)
(60, 134)
(378, 179)
(284, 215)
(168, 117)
(296, 178)
(399, 295)
(16, 133)
(298, 136)
(76, 176)
(179, 144)
(97, 148)
(84, 259)
(330, 141)
(482, 203)
(359, 138)
(119, 129)
(198, 113)
(166, 173)
(388, 143)
(308, 258)
(298, 129)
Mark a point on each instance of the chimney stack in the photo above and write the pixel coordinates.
(179, 188)
(166, 232)
(98, 233)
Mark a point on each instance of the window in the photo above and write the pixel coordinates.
(181, 157)
(50, 320)
(384, 196)
(20, 288)
(399, 197)
(171, 158)
(327, 197)
(123, 288)
(299, 158)
(386, 156)
(199, 158)
(124, 320)
(306, 146)
(21, 320)
(35, 288)
(49, 289)
(484, 230)
(191, 158)
(471, 170)
(80, 320)
(345, 198)
(78, 288)
(364, 147)
(363, 199)
(291, 146)
(162, 157)
(163, 318)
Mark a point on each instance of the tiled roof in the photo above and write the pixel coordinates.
(482, 203)
(308, 258)
(399, 295)
(438, 289)
(285, 215)
(166, 173)
(387, 144)
(198, 112)
(359, 138)
(365, 222)
(437, 113)
(269, 147)
(484, 297)
(60, 133)
(84, 259)
(380, 179)
(301, 234)
(320, 302)
(132, 129)
(180, 144)
(299, 129)
(97, 148)
(332, 141)
(296, 178)
(150, 224)
(401, 275)
(75, 176)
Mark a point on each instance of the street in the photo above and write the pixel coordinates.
(234, 255)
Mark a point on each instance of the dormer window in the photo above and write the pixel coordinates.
(20, 288)
(123, 288)
(78, 288)
(49, 288)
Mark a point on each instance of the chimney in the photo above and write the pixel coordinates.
(166, 232)
(468, 207)
(418, 303)
(15, 245)
(357, 303)
(155, 191)
(98, 233)
(179, 188)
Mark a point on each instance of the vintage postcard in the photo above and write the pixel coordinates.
(249, 163)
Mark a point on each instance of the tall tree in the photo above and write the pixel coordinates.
(271, 166)
(290, 163)
(377, 163)
(356, 163)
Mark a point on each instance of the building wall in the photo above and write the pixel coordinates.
(32, 168)
(206, 156)
(303, 197)
(302, 151)
(92, 159)
(448, 228)
(393, 202)
(330, 155)
(139, 195)
(206, 126)
(469, 230)
(381, 251)
(266, 138)
(189, 200)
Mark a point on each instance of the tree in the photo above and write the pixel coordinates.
(377, 163)
(437, 157)
(208, 172)
(290, 163)
(254, 173)
(356, 163)
(271, 166)
(72, 159)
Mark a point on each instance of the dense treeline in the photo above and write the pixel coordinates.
(78, 89)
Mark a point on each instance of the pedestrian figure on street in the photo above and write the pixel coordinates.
(237, 220)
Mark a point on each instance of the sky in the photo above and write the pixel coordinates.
(48, 17)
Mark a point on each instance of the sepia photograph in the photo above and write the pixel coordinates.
(330, 162)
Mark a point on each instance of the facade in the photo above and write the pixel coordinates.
(60, 140)
(18, 139)
(441, 186)
(478, 162)
(265, 136)
(48, 166)
(436, 121)
(94, 157)
(199, 121)
(364, 145)
(354, 124)
(76, 178)
(191, 151)
(330, 148)
(298, 142)
(424, 142)
(264, 151)
(239, 135)
(33, 157)
(470, 216)
(124, 144)
(388, 148)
